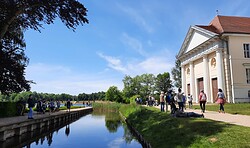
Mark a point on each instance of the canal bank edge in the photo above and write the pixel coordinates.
(144, 143)
(18, 128)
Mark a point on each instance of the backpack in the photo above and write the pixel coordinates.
(204, 97)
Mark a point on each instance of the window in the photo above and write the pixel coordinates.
(248, 75)
(246, 50)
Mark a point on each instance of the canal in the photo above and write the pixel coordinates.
(97, 130)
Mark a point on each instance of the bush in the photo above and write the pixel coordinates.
(133, 98)
(8, 109)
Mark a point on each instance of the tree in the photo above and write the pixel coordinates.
(113, 94)
(147, 84)
(176, 73)
(16, 16)
(163, 82)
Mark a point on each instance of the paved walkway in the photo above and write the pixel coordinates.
(242, 120)
(18, 119)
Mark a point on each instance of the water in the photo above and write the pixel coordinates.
(97, 130)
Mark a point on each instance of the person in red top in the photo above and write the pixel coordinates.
(203, 100)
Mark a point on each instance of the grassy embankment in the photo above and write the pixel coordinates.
(238, 108)
(161, 130)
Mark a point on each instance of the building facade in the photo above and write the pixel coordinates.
(217, 56)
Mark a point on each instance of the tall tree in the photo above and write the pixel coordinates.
(147, 85)
(16, 16)
(163, 82)
(176, 73)
(114, 94)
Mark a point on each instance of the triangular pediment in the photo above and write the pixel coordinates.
(195, 37)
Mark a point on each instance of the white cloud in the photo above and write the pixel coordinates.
(113, 62)
(116, 143)
(133, 43)
(60, 79)
(139, 19)
(154, 64)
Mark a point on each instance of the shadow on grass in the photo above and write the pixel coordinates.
(162, 130)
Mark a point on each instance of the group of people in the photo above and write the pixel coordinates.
(41, 106)
(220, 99)
(52, 105)
(171, 99)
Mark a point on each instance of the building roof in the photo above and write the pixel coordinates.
(228, 24)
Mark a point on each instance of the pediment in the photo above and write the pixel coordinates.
(195, 37)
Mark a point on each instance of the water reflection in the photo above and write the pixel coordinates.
(99, 129)
(67, 130)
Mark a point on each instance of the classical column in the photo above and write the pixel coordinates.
(206, 78)
(192, 82)
(183, 79)
(219, 65)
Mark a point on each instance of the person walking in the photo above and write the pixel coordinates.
(162, 101)
(31, 104)
(203, 100)
(179, 99)
(221, 100)
(190, 101)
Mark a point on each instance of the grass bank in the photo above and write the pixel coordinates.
(238, 108)
(161, 130)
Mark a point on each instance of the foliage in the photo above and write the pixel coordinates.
(93, 96)
(8, 109)
(14, 97)
(163, 82)
(237, 108)
(131, 86)
(106, 106)
(176, 73)
(146, 84)
(133, 98)
(18, 16)
(184, 132)
(113, 94)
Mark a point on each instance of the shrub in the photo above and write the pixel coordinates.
(8, 109)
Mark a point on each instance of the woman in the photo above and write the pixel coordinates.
(221, 100)
(203, 100)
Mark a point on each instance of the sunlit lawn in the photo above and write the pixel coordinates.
(162, 131)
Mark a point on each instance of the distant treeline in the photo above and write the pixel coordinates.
(14, 97)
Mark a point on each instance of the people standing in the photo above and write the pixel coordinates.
(162, 101)
(221, 100)
(68, 105)
(179, 99)
(190, 101)
(31, 104)
(203, 100)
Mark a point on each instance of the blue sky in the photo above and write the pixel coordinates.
(122, 38)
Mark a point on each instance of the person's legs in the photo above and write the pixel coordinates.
(30, 114)
(162, 106)
(182, 106)
(201, 106)
(204, 107)
(221, 107)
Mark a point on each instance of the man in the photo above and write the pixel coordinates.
(162, 101)
(31, 104)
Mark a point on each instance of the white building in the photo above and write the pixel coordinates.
(217, 56)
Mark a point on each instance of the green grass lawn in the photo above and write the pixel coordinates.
(161, 130)
(238, 108)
